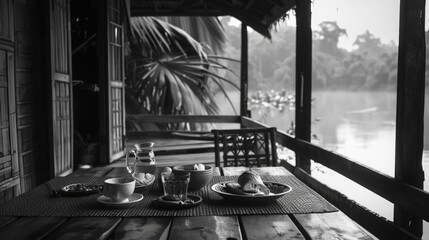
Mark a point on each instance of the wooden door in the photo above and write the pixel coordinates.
(113, 87)
(9, 166)
(61, 84)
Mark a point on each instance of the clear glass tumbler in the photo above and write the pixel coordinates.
(175, 185)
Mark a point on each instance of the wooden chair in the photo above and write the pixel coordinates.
(245, 147)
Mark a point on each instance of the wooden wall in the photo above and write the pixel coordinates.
(30, 98)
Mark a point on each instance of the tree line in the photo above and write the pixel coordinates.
(371, 65)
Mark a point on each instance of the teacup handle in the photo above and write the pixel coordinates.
(130, 169)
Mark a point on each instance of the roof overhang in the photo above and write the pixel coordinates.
(257, 14)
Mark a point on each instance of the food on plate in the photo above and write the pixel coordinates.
(198, 167)
(80, 187)
(235, 188)
(251, 182)
(201, 166)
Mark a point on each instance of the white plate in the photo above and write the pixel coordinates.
(277, 190)
(149, 180)
(133, 200)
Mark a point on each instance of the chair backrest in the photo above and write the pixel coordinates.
(245, 147)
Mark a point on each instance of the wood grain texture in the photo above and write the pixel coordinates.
(269, 227)
(143, 228)
(335, 225)
(30, 227)
(85, 228)
(344, 226)
(205, 227)
(371, 221)
(315, 228)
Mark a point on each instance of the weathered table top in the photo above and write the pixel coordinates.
(333, 225)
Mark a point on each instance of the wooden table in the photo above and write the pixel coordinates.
(334, 225)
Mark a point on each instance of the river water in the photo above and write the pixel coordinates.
(357, 125)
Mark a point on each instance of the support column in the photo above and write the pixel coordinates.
(244, 71)
(410, 105)
(303, 78)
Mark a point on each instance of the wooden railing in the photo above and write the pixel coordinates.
(183, 118)
(406, 196)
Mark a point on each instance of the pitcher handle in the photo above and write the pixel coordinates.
(130, 169)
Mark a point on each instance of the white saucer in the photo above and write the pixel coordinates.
(149, 179)
(133, 200)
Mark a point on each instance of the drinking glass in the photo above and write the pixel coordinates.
(175, 185)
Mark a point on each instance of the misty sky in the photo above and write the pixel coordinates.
(380, 17)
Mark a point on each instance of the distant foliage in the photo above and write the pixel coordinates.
(371, 65)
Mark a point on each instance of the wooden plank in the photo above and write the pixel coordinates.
(205, 227)
(184, 159)
(314, 227)
(410, 107)
(86, 228)
(334, 225)
(183, 118)
(30, 227)
(273, 171)
(269, 227)
(143, 228)
(376, 224)
(344, 226)
(404, 195)
(233, 171)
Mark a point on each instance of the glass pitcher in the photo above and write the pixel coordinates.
(140, 162)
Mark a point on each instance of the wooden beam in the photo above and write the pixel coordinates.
(244, 70)
(303, 78)
(410, 105)
(408, 197)
(250, 20)
(182, 118)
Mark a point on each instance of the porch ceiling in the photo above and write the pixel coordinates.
(257, 14)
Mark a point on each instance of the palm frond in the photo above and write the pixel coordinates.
(151, 36)
(169, 72)
(206, 30)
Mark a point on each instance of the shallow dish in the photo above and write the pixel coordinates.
(79, 189)
(191, 201)
(132, 201)
(277, 190)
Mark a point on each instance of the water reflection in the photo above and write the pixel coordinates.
(358, 125)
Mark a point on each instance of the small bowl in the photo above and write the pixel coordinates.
(199, 178)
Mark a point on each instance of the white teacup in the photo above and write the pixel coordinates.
(119, 189)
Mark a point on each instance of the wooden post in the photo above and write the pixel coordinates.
(410, 105)
(244, 70)
(303, 78)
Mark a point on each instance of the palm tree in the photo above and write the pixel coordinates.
(169, 72)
